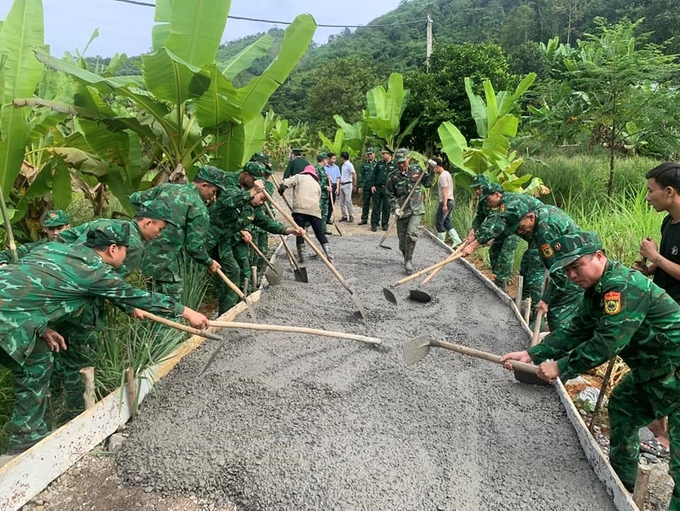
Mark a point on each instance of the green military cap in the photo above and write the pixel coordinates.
(156, 210)
(490, 188)
(112, 234)
(401, 155)
(386, 149)
(55, 218)
(260, 158)
(254, 169)
(321, 157)
(479, 180)
(369, 150)
(211, 175)
(570, 247)
(297, 150)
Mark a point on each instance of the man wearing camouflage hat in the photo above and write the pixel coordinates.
(54, 221)
(260, 236)
(187, 230)
(623, 313)
(399, 185)
(503, 248)
(365, 184)
(326, 188)
(297, 164)
(506, 210)
(53, 281)
(80, 330)
(381, 203)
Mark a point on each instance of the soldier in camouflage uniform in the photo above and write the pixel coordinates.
(260, 236)
(381, 202)
(232, 218)
(365, 184)
(562, 297)
(626, 314)
(80, 330)
(53, 223)
(326, 188)
(162, 256)
(399, 185)
(52, 281)
(506, 209)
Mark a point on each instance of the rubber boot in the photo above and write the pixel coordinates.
(301, 253)
(408, 256)
(327, 251)
(455, 239)
(441, 236)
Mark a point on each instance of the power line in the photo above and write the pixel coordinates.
(274, 22)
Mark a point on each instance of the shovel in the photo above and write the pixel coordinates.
(418, 348)
(335, 214)
(274, 273)
(420, 296)
(300, 272)
(357, 301)
(539, 315)
(239, 293)
(403, 205)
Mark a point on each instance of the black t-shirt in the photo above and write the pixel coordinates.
(670, 249)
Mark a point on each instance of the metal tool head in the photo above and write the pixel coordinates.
(389, 296)
(530, 378)
(213, 356)
(385, 246)
(419, 296)
(415, 350)
(301, 274)
(274, 274)
(359, 305)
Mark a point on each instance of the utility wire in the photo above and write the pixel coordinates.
(274, 22)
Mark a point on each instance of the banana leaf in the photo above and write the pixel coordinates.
(216, 106)
(245, 58)
(61, 186)
(172, 79)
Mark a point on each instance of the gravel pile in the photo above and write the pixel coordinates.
(292, 422)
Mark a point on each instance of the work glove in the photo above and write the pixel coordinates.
(398, 213)
(281, 190)
(431, 165)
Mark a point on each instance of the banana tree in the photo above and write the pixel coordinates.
(338, 144)
(490, 154)
(385, 108)
(357, 136)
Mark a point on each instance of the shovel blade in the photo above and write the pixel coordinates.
(360, 306)
(415, 350)
(385, 246)
(301, 275)
(419, 296)
(389, 296)
(530, 378)
(213, 356)
(275, 274)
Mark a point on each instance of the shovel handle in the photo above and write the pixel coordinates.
(276, 183)
(231, 285)
(262, 256)
(537, 327)
(471, 352)
(295, 329)
(316, 250)
(431, 276)
(456, 255)
(404, 204)
(180, 326)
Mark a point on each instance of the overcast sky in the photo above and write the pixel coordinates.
(125, 28)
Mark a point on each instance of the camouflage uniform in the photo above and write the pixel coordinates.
(53, 281)
(562, 296)
(501, 222)
(398, 186)
(53, 218)
(381, 202)
(161, 259)
(365, 182)
(624, 314)
(229, 215)
(324, 203)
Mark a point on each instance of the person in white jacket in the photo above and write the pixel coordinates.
(306, 210)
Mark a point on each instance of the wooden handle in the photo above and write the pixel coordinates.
(231, 285)
(537, 327)
(471, 352)
(180, 326)
(415, 186)
(295, 329)
(276, 183)
(316, 250)
(262, 256)
(449, 259)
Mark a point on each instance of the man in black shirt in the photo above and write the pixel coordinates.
(663, 194)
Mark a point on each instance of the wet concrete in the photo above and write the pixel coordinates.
(286, 422)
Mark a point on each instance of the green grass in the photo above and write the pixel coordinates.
(6, 405)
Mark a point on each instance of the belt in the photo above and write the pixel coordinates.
(347, 183)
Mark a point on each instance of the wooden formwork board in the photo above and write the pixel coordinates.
(623, 501)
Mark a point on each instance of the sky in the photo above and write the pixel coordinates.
(125, 28)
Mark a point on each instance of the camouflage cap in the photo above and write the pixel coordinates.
(321, 157)
(111, 234)
(260, 158)
(254, 169)
(211, 175)
(55, 218)
(570, 247)
(490, 188)
(401, 155)
(156, 210)
(479, 180)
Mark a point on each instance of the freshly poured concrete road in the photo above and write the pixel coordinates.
(299, 423)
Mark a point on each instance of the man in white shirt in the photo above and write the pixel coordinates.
(348, 181)
(446, 204)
